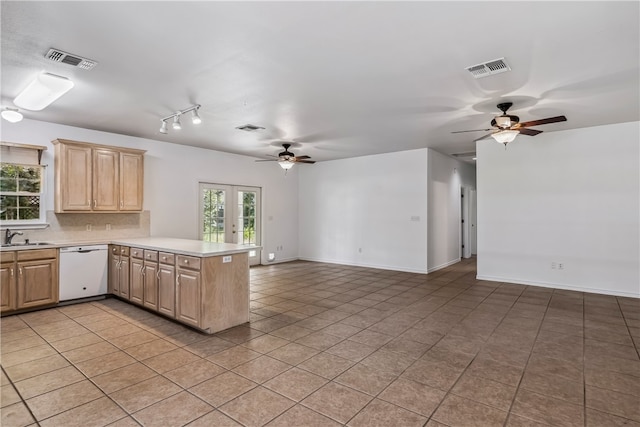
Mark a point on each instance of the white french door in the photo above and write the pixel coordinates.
(231, 214)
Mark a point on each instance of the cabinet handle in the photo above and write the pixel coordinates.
(121, 203)
(186, 261)
(164, 258)
(95, 203)
(158, 275)
(148, 255)
(20, 270)
(11, 269)
(142, 270)
(177, 280)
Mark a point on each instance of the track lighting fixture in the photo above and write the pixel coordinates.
(176, 125)
(195, 118)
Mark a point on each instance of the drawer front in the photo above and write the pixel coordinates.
(150, 255)
(166, 258)
(8, 256)
(28, 255)
(191, 262)
(124, 251)
(137, 253)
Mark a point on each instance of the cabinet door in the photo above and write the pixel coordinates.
(123, 279)
(7, 286)
(151, 285)
(131, 181)
(136, 285)
(37, 283)
(75, 169)
(114, 273)
(167, 290)
(105, 180)
(188, 296)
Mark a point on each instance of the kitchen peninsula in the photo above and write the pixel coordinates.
(204, 285)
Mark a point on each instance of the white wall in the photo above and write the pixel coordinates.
(446, 177)
(366, 203)
(569, 197)
(172, 173)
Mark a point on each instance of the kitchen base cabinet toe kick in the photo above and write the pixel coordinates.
(210, 293)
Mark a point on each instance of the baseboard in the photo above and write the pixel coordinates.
(366, 265)
(445, 265)
(558, 286)
(279, 261)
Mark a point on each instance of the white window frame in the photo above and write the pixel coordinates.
(41, 220)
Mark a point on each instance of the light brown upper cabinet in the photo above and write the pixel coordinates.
(97, 178)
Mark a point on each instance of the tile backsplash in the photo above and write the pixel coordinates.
(71, 227)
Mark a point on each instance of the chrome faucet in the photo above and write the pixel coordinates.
(8, 236)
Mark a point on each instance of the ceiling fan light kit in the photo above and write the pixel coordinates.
(505, 136)
(42, 91)
(287, 159)
(506, 127)
(176, 125)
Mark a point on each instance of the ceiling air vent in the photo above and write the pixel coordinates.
(496, 66)
(249, 128)
(57, 55)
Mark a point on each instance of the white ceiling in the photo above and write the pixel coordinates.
(341, 79)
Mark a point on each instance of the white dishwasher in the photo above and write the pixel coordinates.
(83, 271)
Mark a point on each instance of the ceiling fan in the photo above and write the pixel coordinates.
(506, 127)
(287, 159)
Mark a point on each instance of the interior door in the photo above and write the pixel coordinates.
(231, 214)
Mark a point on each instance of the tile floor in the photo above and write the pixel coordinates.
(332, 345)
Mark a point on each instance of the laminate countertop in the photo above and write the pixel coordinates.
(198, 248)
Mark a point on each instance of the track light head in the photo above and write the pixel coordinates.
(195, 118)
(176, 122)
(163, 128)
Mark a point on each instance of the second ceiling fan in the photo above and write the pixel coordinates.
(287, 159)
(506, 127)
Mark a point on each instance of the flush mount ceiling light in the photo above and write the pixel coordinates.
(42, 91)
(11, 115)
(176, 125)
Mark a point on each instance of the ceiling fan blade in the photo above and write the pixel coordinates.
(306, 161)
(483, 137)
(274, 160)
(543, 121)
(302, 157)
(475, 130)
(527, 131)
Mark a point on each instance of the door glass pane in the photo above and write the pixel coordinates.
(213, 215)
(247, 217)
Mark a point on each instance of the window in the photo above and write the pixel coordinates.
(21, 193)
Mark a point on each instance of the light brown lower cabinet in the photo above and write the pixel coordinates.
(136, 282)
(119, 271)
(29, 278)
(208, 293)
(188, 286)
